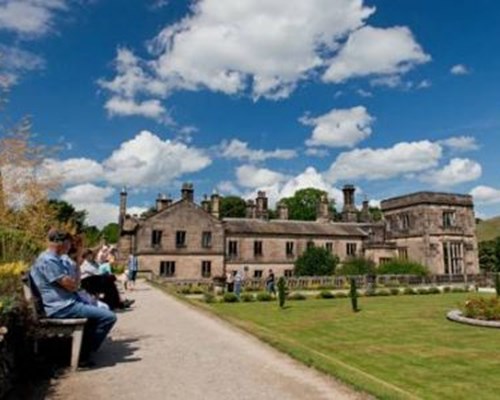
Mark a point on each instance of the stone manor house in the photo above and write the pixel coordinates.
(184, 240)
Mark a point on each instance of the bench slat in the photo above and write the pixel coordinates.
(62, 321)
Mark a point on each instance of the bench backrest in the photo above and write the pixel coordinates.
(33, 297)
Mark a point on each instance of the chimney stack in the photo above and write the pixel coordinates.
(365, 212)
(162, 202)
(323, 213)
(187, 192)
(215, 205)
(123, 208)
(349, 212)
(205, 204)
(282, 211)
(251, 211)
(261, 201)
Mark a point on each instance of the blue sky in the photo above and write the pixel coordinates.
(271, 95)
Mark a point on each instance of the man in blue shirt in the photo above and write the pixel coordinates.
(58, 289)
(133, 267)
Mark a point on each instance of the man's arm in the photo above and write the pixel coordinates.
(68, 283)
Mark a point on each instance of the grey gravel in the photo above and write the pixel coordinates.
(165, 349)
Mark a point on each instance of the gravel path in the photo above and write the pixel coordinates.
(164, 349)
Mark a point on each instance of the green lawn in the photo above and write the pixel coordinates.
(396, 347)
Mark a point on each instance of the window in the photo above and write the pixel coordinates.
(167, 268)
(453, 257)
(257, 273)
(156, 238)
(232, 248)
(257, 248)
(404, 221)
(403, 253)
(384, 260)
(206, 269)
(351, 249)
(180, 239)
(206, 239)
(290, 249)
(448, 219)
(310, 244)
(329, 247)
(288, 273)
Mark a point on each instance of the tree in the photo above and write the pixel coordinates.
(375, 213)
(232, 207)
(357, 266)
(67, 214)
(92, 235)
(303, 205)
(489, 255)
(316, 261)
(110, 233)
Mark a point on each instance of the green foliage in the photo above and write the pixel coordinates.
(353, 294)
(66, 214)
(341, 295)
(394, 291)
(247, 297)
(489, 255)
(232, 207)
(297, 296)
(264, 296)
(110, 233)
(316, 261)
(482, 308)
(230, 298)
(497, 283)
(209, 298)
(375, 213)
(281, 291)
(458, 289)
(356, 266)
(383, 292)
(409, 290)
(434, 290)
(446, 289)
(402, 267)
(17, 245)
(304, 203)
(488, 229)
(119, 269)
(326, 294)
(92, 236)
(422, 291)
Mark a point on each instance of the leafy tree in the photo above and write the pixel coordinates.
(149, 212)
(67, 214)
(376, 213)
(303, 205)
(316, 261)
(111, 232)
(232, 207)
(92, 235)
(357, 266)
(489, 255)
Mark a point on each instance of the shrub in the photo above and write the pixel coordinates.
(482, 308)
(341, 295)
(422, 291)
(184, 290)
(264, 296)
(316, 261)
(230, 298)
(197, 290)
(402, 267)
(297, 296)
(281, 291)
(326, 294)
(383, 293)
(247, 297)
(458, 289)
(209, 298)
(353, 294)
(446, 289)
(409, 290)
(434, 290)
(393, 283)
(10, 278)
(370, 292)
(117, 269)
(394, 291)
(497, 284)
(357, 266)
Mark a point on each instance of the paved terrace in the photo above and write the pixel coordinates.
(165, 349)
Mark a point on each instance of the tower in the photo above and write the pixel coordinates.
(349, 212)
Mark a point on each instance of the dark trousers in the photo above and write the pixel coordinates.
(103, 285)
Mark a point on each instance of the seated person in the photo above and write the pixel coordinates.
(58, 290)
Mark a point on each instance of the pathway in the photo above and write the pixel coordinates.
(165, 349)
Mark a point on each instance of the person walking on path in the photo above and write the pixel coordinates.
(59, 293)
(133, 268)
(271, 283)
(238, 282)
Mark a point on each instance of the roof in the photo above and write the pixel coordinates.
(435, 198)
(288, 227)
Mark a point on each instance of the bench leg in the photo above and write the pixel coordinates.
(76, 345)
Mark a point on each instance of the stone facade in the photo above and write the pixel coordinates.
(185, 241)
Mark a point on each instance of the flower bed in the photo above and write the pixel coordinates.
(478, 311)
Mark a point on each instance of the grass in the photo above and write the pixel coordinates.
(488, 229)
(395, 348)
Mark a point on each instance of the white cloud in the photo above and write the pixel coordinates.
(236, 149)
(424, 84)
(376, 51)
(148, 161)
(340, 127)
(459, 69)
(73, 171)
(458, 170)
(364, 93)
(485, 194)
(14, 62)
(460, 143)
(252, 177)
(29, 17)
(371, 164)
(315, 152)
(228, 188)
(87, 193)
(127, 107)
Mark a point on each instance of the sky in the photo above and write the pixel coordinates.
(239, 96)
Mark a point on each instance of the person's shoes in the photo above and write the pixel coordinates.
(127, 303)
(86, 363)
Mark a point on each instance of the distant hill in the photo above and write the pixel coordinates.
(488, 229)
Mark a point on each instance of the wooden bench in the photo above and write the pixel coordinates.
(54, 327)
